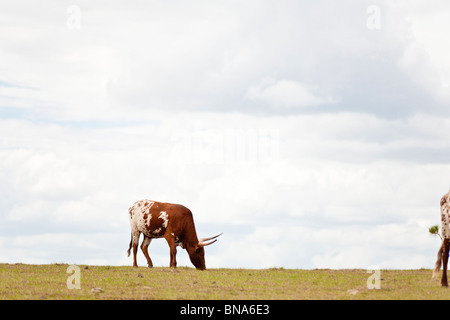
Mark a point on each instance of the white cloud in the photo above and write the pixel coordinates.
(286, 94)
(424, 58)
(128, 62)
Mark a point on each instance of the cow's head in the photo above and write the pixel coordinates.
(197, 254)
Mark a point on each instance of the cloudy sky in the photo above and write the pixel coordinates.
(314, 134)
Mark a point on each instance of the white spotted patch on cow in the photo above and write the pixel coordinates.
(140, 216)
(165, 217)
(445, 215)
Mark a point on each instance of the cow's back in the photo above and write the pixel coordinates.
(154, 218)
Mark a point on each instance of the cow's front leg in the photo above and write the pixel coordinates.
(173, 249)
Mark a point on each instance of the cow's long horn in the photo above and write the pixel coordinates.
(206, 239)
(203, 242)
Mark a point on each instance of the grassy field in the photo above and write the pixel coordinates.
(22, 281)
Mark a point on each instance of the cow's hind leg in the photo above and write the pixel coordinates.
(144, 248)
(173, 250)
(135, 247)
(445, 252)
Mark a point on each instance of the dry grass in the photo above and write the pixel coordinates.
(21, 281)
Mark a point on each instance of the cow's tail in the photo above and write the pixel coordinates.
(437, 266)
(131, 244)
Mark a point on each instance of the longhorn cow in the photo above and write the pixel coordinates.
(443, 253)
(174, 222)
